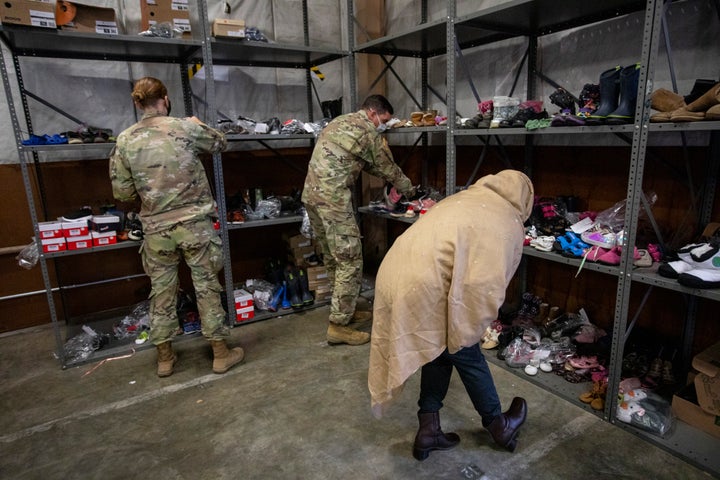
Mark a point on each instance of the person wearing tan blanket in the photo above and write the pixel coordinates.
(439, 286)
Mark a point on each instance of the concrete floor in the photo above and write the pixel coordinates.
(296, 409)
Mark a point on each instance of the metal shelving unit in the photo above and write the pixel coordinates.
(205, 49)
(533, 19)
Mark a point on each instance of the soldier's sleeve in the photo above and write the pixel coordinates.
(380, 162)
(123, 185)
(207, 139)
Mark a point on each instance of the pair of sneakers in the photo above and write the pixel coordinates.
(698, 267)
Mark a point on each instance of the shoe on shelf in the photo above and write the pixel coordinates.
(85, 213)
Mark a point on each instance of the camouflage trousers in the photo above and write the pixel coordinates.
(337, 234)
(200, 246)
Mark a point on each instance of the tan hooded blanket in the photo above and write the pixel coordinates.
(444, 279)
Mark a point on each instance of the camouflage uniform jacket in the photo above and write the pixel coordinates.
(346, 146)
(157, 160)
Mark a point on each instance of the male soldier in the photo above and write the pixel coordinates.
(349, 144)
(157, 160)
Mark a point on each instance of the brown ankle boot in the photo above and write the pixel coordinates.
(166, 359)
(223, 357)
(431, 437)
(504, 428)
(343, 334)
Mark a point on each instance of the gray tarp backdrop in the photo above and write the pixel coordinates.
(98, 92)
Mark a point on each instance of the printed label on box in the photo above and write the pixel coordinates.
(77, 243)
(246, 313)
(50, 230)
(53, 245)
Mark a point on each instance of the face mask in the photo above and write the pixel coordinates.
(169, 107)
(381, 128)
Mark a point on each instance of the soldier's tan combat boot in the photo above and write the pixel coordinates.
(337, 334)
(361, 316)
(223, 357)
(166, 359)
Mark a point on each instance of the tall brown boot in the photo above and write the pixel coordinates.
(504, 428)
(430, 437)
(166, 359)
(223, 357)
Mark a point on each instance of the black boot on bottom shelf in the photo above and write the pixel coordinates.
(292, 284)
(305, 295)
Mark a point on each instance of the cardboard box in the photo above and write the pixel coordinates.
(296, 241)
(75, 229)
(707, 381)
(243, 299)
(175, 12)
(28, 12)
(226, 27)
(105, 223)
(685, 406)
(77, 17)
(50, 245)
(105, 238)
(50, 230)
(316, 273)
(243, 314)
(79, 242)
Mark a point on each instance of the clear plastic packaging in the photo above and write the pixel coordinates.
(305, 228)
(504, 108)
(262, 292)
(614, 217)
(133, 323)
(647, 411)
(269, 208)
(28, 256)
(81, 346)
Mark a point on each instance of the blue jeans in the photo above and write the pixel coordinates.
(475, 375)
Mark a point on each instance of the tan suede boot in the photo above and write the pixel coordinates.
(166, 359)
(713, 113)
(337, 334)
(696, 110)
(223, 357)
(664, 100)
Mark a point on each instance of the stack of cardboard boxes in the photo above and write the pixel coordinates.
(302, 252)
(698, 403)
(77, 17)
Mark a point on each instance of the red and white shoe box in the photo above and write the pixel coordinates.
(51, 245)
(243, 298)
(244, 305)
(105, 223)
(75, 229)
(50, 230)
(79, 242)
(104, 238)
(245, 313)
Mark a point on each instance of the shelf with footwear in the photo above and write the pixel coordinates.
(533, 20)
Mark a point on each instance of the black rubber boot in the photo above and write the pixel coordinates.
(625, 112)
(430, 437)
(305, 295)
(609, 93)
(292, 283)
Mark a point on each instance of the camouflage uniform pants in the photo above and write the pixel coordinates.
(338, 235)
(199, 244)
